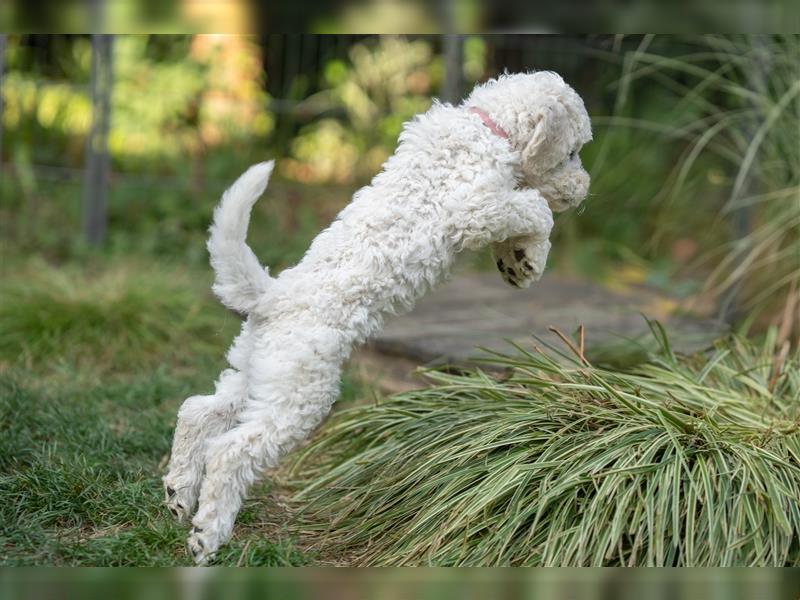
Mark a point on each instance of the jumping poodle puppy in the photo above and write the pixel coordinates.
(486, 172)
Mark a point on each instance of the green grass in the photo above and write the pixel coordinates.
(80, 478)
(556, 465)
(94, 364)
(108, 320)
(681, 461)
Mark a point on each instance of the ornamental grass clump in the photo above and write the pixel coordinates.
(732, 105)
(679, 461)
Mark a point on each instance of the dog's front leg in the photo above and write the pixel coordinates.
(521, 257)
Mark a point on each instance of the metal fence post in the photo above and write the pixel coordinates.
(453, 66)
(97, 158)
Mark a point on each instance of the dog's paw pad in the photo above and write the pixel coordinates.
(521, 261)
(178, 511)
(200, 547)
(531, 261)
(179, 501)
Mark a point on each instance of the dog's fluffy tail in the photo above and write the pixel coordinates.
(240, 279)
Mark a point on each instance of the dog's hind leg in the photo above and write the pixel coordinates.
(292, 393)
(200, 418)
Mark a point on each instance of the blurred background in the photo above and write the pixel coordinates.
(396, 16)
(115, 147)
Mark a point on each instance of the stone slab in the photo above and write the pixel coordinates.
(479, 309)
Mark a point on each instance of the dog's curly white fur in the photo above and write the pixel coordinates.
(452, 184)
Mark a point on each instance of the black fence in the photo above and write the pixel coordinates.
(291, 58)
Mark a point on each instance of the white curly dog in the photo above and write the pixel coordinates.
(488, 171)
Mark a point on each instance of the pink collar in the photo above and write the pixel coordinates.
(489, 122)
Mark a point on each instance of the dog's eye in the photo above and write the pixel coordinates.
(572, 155)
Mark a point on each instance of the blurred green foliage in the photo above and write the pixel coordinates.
(385, 83)
(726, 133)
(395, 583)
(672, 117)
(173, 97)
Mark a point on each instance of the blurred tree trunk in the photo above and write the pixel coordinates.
(97, 158)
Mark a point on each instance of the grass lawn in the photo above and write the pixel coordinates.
(94, 363)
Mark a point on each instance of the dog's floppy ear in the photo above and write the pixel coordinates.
(544, 148)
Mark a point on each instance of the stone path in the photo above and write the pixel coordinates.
(478, 309)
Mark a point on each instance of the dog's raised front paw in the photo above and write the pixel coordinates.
(521, 260)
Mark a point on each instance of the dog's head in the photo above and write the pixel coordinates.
(547, 124)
